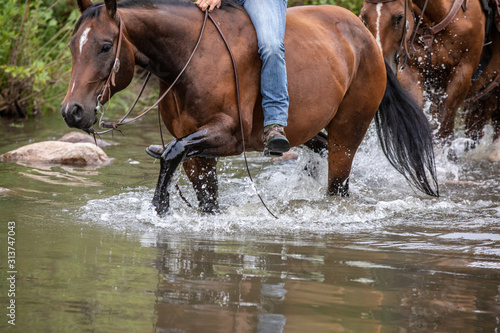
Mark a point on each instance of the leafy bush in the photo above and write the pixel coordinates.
(34, 57)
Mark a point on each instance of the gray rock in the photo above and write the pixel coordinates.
(58, 152)
(80, 137)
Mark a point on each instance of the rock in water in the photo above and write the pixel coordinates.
(81, 154)
(80, 137)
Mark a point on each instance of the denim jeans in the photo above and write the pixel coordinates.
(269, 19)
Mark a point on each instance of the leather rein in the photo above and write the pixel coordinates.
(111, 80)
(112, 126)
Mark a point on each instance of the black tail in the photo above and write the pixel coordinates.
(405, 136)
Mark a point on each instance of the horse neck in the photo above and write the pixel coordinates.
(163, 37)
(435, 10)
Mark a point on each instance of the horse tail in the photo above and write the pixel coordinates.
(406, 137)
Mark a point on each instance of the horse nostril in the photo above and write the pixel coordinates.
(73, 114)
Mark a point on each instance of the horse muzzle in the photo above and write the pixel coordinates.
(75, 116)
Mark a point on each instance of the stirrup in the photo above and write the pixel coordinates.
(270, 153)
(275, 141)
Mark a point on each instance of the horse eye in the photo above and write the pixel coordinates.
(106, 48)
(397, 20)
(365, 22)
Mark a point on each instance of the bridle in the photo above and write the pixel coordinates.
(112, 126)
(402, 53)
(427, 33)
(112, 75)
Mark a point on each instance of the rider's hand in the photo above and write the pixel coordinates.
(208, 4)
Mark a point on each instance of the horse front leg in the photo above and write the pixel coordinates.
(456, 91)
(204, 145)
(202, 172)
(477, 114)
(495, 118)
(173, 155)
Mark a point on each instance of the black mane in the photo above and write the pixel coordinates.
(146, 3)
(94, 10)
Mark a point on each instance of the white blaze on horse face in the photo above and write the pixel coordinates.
(73, 87)
(379, 13)
(84, 38)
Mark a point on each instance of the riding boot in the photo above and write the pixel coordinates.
(275, 141)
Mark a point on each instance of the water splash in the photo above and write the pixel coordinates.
(296, 192)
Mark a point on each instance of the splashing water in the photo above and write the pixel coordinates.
(296, 192)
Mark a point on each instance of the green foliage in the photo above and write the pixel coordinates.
(34, 58)
(352, 5)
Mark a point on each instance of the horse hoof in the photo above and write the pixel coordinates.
(161, 208)
(209, 209)
(155, 151)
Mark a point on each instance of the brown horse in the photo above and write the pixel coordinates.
(443, 57)
(336, 74)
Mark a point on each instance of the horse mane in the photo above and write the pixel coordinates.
(226, 4)
(94, 10)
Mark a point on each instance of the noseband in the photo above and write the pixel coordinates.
(112, 75)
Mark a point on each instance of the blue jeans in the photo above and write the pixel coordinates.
(269, 20)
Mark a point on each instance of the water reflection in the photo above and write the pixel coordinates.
(68, 176)
(269, 287)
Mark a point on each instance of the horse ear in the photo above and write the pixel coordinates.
(111, 7)
(83, 4)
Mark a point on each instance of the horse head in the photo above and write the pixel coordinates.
(96, 75)
(392, 23)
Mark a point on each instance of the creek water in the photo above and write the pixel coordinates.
(91, 255)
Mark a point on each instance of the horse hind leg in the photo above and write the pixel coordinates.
(345, 133)
(341, 151)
